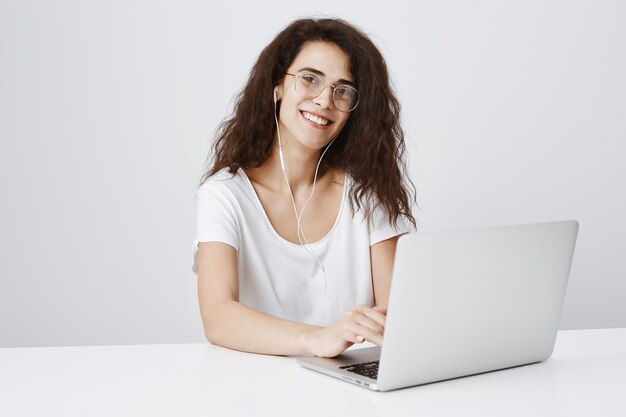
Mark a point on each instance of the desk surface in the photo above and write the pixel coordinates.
(585, 376)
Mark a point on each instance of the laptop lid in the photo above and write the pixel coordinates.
(471, 301)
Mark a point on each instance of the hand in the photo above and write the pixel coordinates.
(355, 326)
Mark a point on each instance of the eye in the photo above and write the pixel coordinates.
(345, 92)
(310, 79)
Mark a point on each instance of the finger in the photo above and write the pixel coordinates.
(359, 317)
(381, 309)
(365, 321)
(367, 333)
(372, 314)
(352, 337)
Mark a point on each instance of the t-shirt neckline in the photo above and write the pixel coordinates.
(269, 223)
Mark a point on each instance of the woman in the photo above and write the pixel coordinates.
(301, 209)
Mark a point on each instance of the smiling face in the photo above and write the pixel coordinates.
(313, 123)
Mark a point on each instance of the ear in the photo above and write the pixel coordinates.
(277, 94)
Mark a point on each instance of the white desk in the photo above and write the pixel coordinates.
(586, 376)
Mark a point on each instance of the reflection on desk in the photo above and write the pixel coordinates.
(585, 377)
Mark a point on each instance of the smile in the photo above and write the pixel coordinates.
(318, 120)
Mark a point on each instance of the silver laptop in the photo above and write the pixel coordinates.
(463, 303)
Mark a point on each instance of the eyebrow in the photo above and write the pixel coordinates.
(318, 72)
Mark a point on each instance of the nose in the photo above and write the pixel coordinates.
(325, 97)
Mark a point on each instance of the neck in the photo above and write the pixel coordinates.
(300, 165)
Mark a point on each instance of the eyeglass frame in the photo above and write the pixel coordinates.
(324, 85)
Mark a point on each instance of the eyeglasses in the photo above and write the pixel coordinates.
(309, 85)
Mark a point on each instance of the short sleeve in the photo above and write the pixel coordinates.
(381, 229)
(216, 217)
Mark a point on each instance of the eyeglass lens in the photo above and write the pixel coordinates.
(345, 97)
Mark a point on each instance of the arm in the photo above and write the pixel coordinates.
(382, 255)
(231, 324)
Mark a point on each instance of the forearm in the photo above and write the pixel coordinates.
(236, 326)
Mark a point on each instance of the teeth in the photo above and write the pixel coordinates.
(317, 120)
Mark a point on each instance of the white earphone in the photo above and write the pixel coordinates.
(301, 236)
(280, 143)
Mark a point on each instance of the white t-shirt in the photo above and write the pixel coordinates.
(279, 277)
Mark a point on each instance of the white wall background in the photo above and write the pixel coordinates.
(514, 112)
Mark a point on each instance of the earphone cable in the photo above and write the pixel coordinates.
(300, 232)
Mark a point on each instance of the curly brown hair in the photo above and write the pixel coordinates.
(370, 147)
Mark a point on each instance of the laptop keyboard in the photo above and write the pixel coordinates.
(368, 369)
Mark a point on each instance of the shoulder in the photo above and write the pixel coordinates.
(225, 191)
(223, 183)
